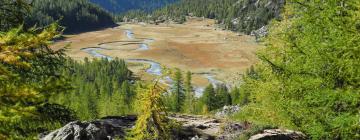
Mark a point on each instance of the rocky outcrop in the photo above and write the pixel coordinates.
(208, 128)
(260, 33)
(278, 134)
(198, 127)
(231, 131)
(193, 128)
(227, 110)
(103, 129)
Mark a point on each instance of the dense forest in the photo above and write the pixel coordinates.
(181, 97)
(237, 15)
(307, 78)
(120, 6)
(74, 15)
(101, 88)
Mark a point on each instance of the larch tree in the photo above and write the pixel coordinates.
(189, 103)
(152, 122)
(309, 78)
(28, 73)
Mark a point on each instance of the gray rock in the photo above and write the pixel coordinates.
(103, 129)
(260, 33)
(231, 131)
(227, 110)
(193, 128)
(278, 134)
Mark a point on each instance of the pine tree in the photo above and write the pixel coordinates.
(208, 98)
(223, 97)
(178, 91)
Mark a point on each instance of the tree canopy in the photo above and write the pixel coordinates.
(74, 15)
(308, 78)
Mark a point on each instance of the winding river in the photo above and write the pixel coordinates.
(155, 68)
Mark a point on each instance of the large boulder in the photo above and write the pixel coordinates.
(103, 129)
(278, 134)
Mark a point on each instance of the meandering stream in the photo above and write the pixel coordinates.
(155, 68)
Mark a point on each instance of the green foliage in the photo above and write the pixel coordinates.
(28, 77)
(177, 92)
(308, 78)
(101, 88)
(190, 101)
(75, 15)
(223, 96)
(208, 98)
(215, 98)
(152, 123)
(12, 13)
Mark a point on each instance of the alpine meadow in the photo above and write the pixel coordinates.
(179, 69)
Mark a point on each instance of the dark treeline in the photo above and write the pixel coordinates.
(120, 6)
(74, 15)
(237, 15)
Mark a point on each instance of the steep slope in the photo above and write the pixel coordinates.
(237, 15)
(119, 6)
(75, 15)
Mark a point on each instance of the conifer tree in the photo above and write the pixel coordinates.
(178, 91)
(223, 97)
(119, 104)
(152, 122)
(208, 98)
(235, 95)
(308, 78)
(189, 103)
(28, 76)
(128, 94)
(12, 13)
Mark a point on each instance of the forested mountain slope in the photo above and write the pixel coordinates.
(119, 6)
(75, 15)
(237, 15)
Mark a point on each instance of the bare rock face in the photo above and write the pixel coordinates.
(278, 134)
(103, 129)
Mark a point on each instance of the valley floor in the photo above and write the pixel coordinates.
(197, 46)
